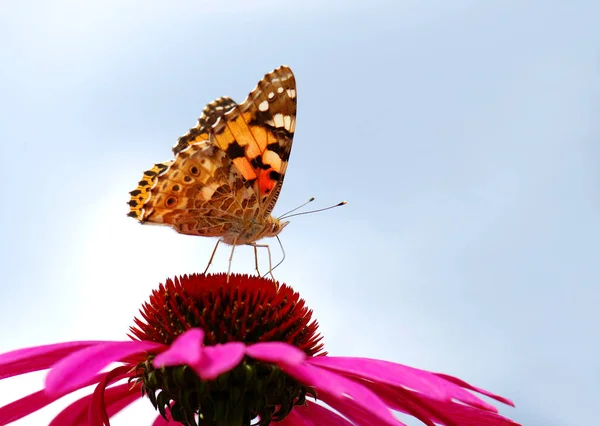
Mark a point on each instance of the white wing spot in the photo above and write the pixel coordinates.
(272, 159)
(287, 122)
(291, 93)
(280, 90)
(263, 106)
(207, 192)
(278, 119)
(271, 95)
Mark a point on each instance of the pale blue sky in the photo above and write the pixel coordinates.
(464, 135)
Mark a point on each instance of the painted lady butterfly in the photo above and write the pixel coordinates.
(228, 170)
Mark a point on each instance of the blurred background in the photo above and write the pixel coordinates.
(464, 135)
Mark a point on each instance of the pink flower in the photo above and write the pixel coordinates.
(212, 352)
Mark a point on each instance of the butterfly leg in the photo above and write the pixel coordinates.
(282, 251)
(270, 259)
(230, 260)
(212, 256)
(256, 259)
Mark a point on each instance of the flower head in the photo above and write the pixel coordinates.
(211, 352)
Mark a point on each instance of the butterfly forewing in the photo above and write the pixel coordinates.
(257, 135)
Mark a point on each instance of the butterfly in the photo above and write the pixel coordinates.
(227, 171)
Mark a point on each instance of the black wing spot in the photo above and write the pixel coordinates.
(235, 150)
(135, 192)
(257, 163)
(169, 202)
(282, 133)
(175, 188)
(194, 170)
(260, 118)
(277, 148)
(187, 179)
(275, 175)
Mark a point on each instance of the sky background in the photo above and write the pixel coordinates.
(464, 135)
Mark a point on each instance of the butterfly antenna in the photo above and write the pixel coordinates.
(313, 211)
(299, 207)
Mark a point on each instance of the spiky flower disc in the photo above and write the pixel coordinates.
(241, 309)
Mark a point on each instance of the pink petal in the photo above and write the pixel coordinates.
(465, 385)
(276, 352)
(97, 415)
(430, 410)
(207, 361)
(160, 421)
(219, 359)
(71, 372)
(37, 358)
(74, 414)
(24, 406)
(465, 415)
(399, 375)
(405, 401)
(313, 414)
(117, 397)
(357, 414)
(295, 419)
(349, 398)
(186, 349)
(30, 403)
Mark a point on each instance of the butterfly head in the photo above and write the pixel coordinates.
(273, 227)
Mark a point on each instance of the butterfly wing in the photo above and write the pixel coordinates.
(229, 169)
(178, 192)
(257, 135)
